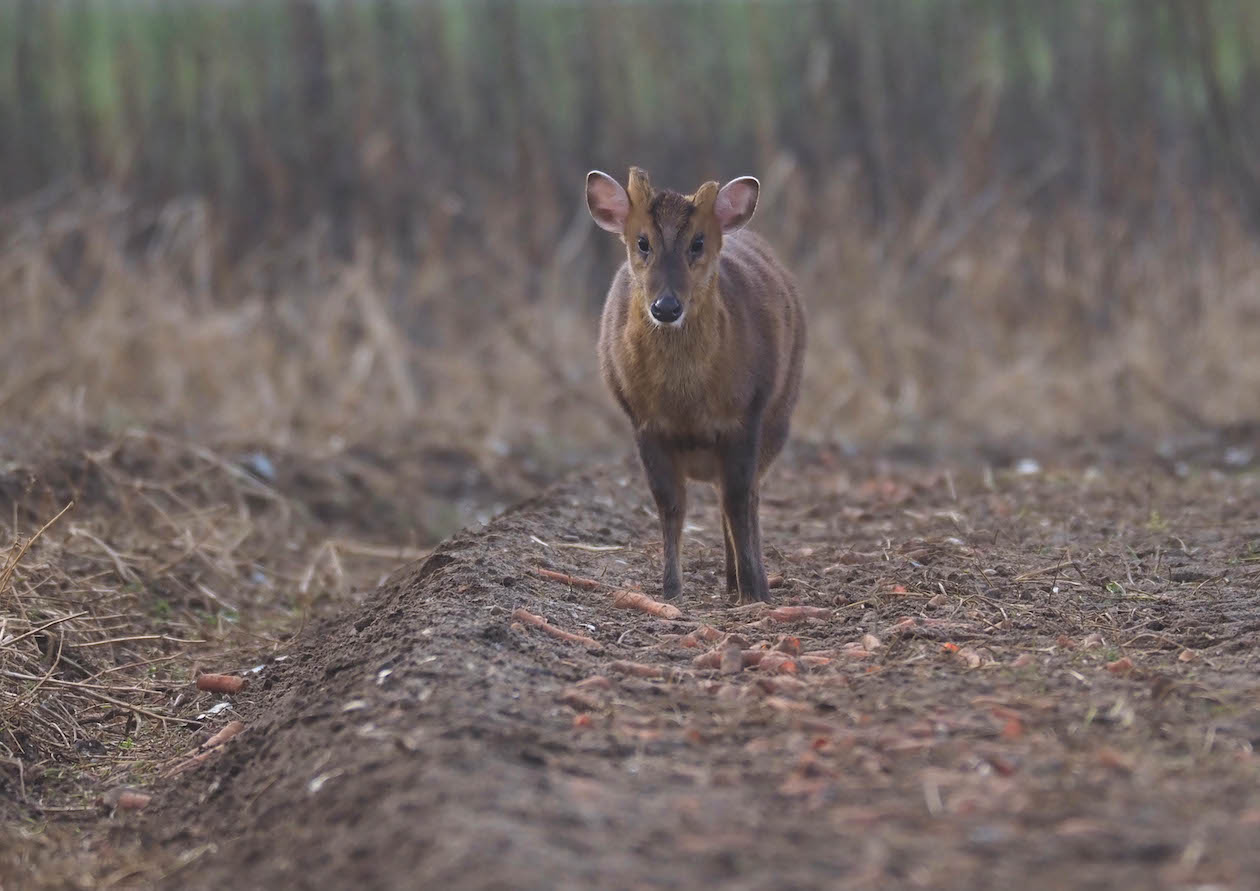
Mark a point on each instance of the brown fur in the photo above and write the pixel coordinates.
(711, 399)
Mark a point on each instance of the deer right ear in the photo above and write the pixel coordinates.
(607, 200)
(736, 202)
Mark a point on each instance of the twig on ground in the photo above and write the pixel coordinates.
(6, 574)
(46, 625)
(125, 572)
(141, 711)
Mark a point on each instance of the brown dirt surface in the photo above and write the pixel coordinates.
(131, 562)
(1040, 679)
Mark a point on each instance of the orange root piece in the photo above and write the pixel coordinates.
(209, 747)
(227, 732)
(640, 601)
(221, 683)
(775, 662)
(703, 634)
(638, 669)
(525, 617)
(764, 660)
(125, 799)
(573, 580)
(797, 613)
(814, 660)
(133, 801)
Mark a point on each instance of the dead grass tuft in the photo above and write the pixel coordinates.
(981, 318)
(164, 559)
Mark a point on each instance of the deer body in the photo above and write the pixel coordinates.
(701, 343)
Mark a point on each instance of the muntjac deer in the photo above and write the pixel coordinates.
(701, 342)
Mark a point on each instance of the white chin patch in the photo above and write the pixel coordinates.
(677, 323)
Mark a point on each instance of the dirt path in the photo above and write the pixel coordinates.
(1046, 680)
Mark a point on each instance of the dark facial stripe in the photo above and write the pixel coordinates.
(670, 213)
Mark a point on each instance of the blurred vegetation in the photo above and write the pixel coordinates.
(325, 222)
(376, 112)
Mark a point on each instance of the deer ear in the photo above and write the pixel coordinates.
(736, 202)
(608, 202)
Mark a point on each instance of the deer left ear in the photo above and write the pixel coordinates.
(736, 202)
(607, 200)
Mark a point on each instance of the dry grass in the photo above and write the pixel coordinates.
(106, 610)
(136, 561)
(980, 318)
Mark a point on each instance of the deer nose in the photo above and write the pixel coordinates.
(666, 308)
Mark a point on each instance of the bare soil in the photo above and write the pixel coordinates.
(1037, 679)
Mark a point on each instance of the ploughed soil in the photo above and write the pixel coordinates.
(1045, 678)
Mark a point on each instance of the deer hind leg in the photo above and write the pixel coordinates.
(739, 478)
(728, 545)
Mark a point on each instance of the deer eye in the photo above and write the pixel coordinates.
(697, 245)
(644, 246)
